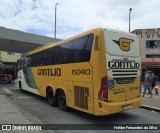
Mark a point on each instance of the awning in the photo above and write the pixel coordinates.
(151, 64)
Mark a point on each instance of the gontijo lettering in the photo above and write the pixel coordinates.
(123, 64)
(50, 72)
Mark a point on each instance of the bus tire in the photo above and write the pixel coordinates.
(20, 87)
(62, 101)
(51, 98)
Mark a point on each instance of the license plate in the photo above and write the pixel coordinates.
(126, 107)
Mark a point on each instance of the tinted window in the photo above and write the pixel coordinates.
(66, 51)
(78, 50)
(153, 44)
(82, 48)
(56, 54)
(48, 57)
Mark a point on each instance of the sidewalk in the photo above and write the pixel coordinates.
(11, 114)
(153, 102)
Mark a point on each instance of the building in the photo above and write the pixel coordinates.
(7, 62)
(13, 43)
(150, 49)
(9, 57)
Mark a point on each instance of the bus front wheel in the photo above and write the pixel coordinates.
(62, 101)
(20, 87)
(51, 98)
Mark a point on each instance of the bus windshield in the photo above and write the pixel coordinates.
(121, 44)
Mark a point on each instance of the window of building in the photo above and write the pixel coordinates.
(153, 44)
(153, 56)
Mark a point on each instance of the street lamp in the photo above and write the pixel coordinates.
(129, 17)
(55, 20)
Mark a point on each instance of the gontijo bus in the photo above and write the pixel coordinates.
(97, 72)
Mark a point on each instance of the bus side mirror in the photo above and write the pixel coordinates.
(97, 45)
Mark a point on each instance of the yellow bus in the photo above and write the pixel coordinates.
(97, 72)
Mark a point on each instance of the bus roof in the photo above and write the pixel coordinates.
(76, 36)
(60, 42)
(119, 31)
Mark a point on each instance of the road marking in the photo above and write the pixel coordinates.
(27, 97)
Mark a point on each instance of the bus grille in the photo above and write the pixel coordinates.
(81, 96)
(124, 76)
(124, 73)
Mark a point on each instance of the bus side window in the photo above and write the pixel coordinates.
(55, 55)
(66, 52)
(29, 61)
(89, 42)
(48, 57)
(82, 48)
(32, 60)
(44, 58)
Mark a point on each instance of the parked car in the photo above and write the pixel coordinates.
(5, 78)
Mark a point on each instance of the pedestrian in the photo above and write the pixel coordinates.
(148, 83)
(154, 81)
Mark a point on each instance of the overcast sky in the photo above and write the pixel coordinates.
(77, 16)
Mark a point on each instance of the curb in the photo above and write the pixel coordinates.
(150, 108)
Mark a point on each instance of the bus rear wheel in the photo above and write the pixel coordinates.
(62, 101)
(51, 98)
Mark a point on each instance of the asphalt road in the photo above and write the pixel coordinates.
(38, 111)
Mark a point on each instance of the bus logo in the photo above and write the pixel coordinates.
(124, 43)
